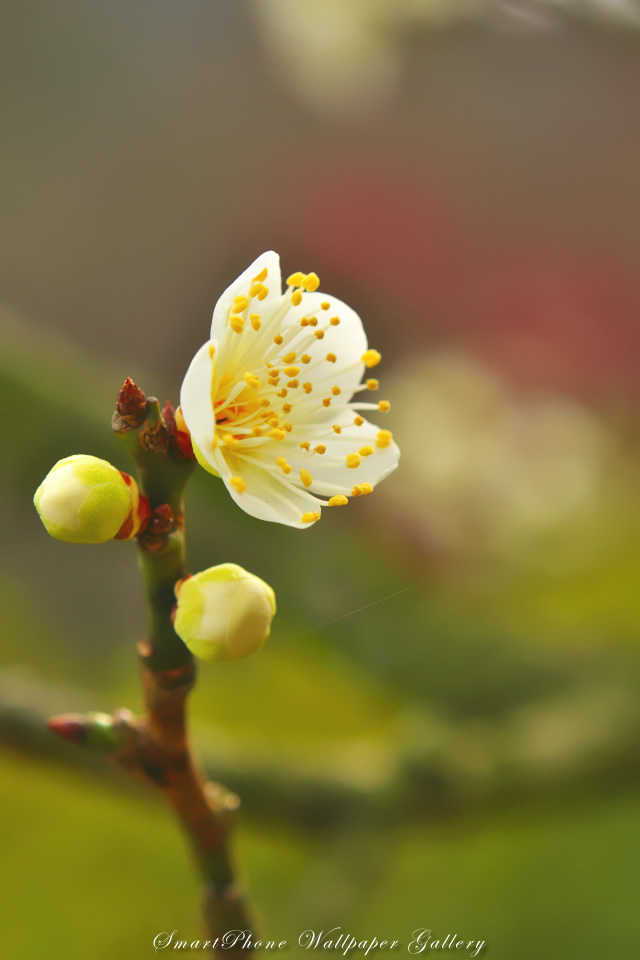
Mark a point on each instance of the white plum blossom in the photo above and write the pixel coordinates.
(268, 400)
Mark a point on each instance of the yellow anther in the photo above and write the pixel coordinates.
(338, 501)
(384, 405)
(373, 384)
(265, 403)
(320, 449)
(236, 324)
(304, 322)
(295, 279)
(255, 289)
(310, 517)
(358, 421)
(336, 428)
(304, 445)
(238, 484)
(325, 305)
(255, 321)
(291, 371)
(384, 438)
(313, 321)
(296, 298)
(240, 304)
(289, 357)
(212, 351)
(305, 358)
(335, 391)
(320, 334)
(361, 489)
(252, 380)
(286, 408)
(331, 357)
(277, 434)
(334, 321)
(326, 402)
(228, 440)
(274, 381)
(365, 451)
(287, 426)
(282, 463)
(282, 393)
(306, 477)
(353, 460)
(257, 431)
(265, 413)
(261, 276)
(292, 384)
(311, 282)
(277, 339)
(263, 293)
(307, 387)
(371, 358)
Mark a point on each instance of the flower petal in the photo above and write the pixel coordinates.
(269, 262)
(195, 403)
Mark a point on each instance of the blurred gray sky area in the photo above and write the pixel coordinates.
(152, 148)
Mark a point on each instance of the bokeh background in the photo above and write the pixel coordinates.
(444, 728)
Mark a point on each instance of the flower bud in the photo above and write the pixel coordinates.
(224, 613)
(86, 500)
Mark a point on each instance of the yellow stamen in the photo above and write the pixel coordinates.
(212, 351)
(282, 463)
(265, 403)
(236, 324)
(304, 445)
(307, 387)
(320, 449)
(384, 438)
(331, 357)
(282, 393)
(335, 391)
(252, 380)
(257, 431)
(238, 484)
(365, 451)
(240, 304)
(338, 501)
(291, 371)
(261, 276)
(336, 428)
(384, 405)
(263, 293)
(313, 321)
(306, 477)
(255, 321)
(255, 289)
(371, 358)
(295, 279)
(228, 440)
(320, 334)
(361, 489)
(334, 321)
(304, 322)
(311, 282)
(296, 298)
(289, 357)
(277, 339)
(353, 460)
(305, 358)
(277, 434)
(373, 384)
(286, 408)
(287, 426)
(325, 305)
(310, 517)
(358, 421)
(293, 384)
(326, 402)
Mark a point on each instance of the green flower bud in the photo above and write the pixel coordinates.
(85, 500)
(224, 613)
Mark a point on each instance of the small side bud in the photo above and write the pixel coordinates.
(224, 613)
(131, 407)
(85, 500)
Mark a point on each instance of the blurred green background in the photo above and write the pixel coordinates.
(444, 728)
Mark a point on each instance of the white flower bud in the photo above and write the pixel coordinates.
(85, 500)
(224, 613)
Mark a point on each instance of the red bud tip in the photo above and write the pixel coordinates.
(131, 403)
(69, 726)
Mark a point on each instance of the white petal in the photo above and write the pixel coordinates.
(268, 496)
(195, 401)
(330, 471)
(242, 286)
